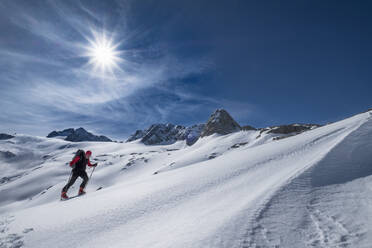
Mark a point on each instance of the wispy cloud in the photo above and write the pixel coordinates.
(47, 81)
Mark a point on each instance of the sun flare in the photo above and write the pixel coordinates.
(103, 53)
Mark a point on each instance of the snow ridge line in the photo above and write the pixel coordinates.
(247, 241)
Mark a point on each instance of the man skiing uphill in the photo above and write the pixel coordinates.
(79, 164)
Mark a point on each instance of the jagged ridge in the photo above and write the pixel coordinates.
(167, 134)
(220, 122)
(78, 135)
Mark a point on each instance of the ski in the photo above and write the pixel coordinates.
(71, 197)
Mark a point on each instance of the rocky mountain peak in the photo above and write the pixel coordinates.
(220, 122)
(65, 132)
(162, 134)
(78, 135)
(159, 134)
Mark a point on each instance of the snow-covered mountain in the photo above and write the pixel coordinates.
(77, 135)
(220, 122)
(4, 136)
(243, 189)
(165, 134)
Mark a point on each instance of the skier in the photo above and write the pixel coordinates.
(79, 164)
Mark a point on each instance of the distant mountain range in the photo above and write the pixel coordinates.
(78, 135)
(162, 134)
(220, 122)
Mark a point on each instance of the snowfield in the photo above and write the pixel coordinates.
(309, 190)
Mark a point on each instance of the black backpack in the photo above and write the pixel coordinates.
(79, 153)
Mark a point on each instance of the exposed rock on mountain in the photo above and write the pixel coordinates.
(292, 128)
(4, 136)
(81, 134)
(220, 122)
(137, 135)
(65, 132)
(285, 131)
(78, 135)
(193, 133)
(161, 134)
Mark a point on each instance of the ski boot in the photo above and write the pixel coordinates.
(64, 196)
(81, 191)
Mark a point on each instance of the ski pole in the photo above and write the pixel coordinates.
(90, 176)
(92, 172)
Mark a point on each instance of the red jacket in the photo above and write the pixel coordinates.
(76, 159)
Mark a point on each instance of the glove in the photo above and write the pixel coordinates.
(94, 165)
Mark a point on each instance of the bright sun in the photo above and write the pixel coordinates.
(102, 53)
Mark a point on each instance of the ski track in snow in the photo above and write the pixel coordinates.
(322, 207)
(288, 193)
(8, 239)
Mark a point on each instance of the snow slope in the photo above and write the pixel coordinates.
(224, 191)
(327, 206)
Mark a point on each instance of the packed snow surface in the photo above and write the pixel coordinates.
(237, 190)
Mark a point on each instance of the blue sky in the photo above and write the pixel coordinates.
(266, 62)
